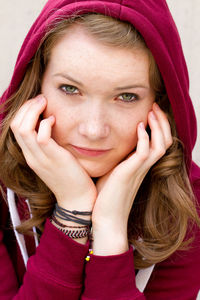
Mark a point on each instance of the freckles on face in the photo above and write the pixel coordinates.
(98, 95)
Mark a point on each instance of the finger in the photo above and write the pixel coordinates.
(142, 149)
(23, 128)
(18, 117)
(137, 159)
(44, 131)
(164, 124)
(19, 124)
(30, 118)
(157, 144)
(25, 132)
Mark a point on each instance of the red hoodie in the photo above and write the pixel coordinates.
(57, 268)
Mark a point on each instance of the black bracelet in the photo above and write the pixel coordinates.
(55, 220)
(71, 218)
(64, 215)
(74, 212)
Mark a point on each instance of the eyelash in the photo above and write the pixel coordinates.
(136, 97)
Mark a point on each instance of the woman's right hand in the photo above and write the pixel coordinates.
(57, 167)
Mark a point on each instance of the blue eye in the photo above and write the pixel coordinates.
(68, 89)
(129, 97)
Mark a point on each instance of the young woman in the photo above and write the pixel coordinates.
(100, 197)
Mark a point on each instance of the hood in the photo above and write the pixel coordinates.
(153, 20)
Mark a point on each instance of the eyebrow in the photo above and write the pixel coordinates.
(66, 76)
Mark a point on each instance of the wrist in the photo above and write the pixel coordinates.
(109, 242)
(77, 228)
(81, 232)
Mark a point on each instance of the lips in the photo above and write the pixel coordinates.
(89, 152)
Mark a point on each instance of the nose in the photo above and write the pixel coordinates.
(94, 124)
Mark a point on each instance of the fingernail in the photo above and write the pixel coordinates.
(51, 118)
(152, 115)
(156, 106)
(141, 125)
(40, 99)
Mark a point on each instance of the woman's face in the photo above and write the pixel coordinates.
(98, 95)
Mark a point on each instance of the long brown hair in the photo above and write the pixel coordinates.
(164, 206)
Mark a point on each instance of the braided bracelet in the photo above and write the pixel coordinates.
(73, 233)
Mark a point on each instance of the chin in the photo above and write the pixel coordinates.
(94, 170)
(96, 173)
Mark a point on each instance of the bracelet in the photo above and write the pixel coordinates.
(74, 212)
(64, 215)
(73, 233)
(62, 225)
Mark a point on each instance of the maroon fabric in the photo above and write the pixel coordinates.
(57, 270)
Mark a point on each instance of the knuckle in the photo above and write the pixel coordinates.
(45, 165)
(161, 152)
(23, 132)
(14, 124)
(42, 141)
(143, 155)
(30, 164)
(169, 142)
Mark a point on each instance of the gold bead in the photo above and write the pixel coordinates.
(87, 258)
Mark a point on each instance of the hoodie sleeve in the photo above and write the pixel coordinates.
(55, 271)
(113, 277)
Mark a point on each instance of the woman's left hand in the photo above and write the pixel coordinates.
(118, 188)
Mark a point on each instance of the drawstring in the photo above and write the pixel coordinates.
(34, 228)
(16, 222)
(142, 276)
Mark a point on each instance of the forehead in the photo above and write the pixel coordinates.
(78, 50)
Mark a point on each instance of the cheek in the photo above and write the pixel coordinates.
(128, 137)
(62, 120)
(128, 132)
(62, 128)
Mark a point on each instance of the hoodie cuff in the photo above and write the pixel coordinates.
(112, 275)
(59, 257)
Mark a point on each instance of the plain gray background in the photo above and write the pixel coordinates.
(16, 17)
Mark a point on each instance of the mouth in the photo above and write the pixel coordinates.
(89, 152)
